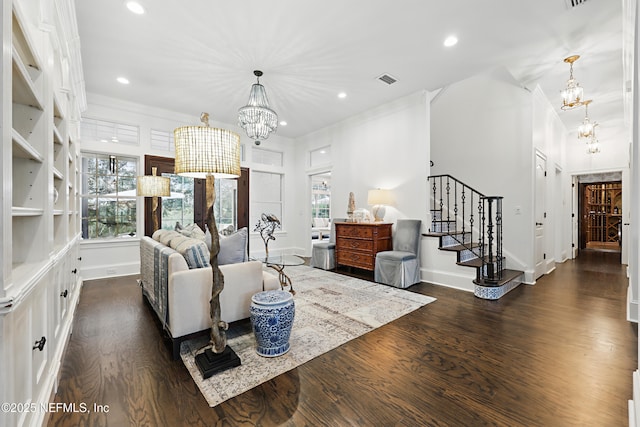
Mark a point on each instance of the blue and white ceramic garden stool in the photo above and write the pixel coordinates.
(272, 314)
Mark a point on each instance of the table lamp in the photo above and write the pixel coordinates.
(210, 153)
(379, 199)
(153, 186)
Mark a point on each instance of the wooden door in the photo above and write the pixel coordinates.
(166, 165)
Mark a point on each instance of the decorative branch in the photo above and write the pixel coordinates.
(266, 226)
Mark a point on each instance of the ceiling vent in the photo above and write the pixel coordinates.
(574, 3)
(387, 78)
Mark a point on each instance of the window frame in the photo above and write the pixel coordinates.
(128, 201)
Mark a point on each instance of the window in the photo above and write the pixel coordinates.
(266, 188)
(225, 206)
(319, 157)
(161, 140)
(267, 157)
(108, 196)
(179, 207)
(105, 131)
(321, 196)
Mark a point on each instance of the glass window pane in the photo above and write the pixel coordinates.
(127, 185)
(127, 167)
(113, 212)
(103, 166)
(321, 156)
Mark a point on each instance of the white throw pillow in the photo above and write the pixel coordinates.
(233, 248)
(192, 230)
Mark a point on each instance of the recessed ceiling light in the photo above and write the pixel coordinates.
(135, 7)
(342, 95)
(123, 80)
(283, 123)
(450, 41)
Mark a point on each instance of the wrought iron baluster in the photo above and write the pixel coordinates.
(499, 237)
(448, 188)
(433, 207)
(441, 205)
(464, 221)
(490, 259)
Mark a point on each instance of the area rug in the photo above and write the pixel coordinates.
(331, 309)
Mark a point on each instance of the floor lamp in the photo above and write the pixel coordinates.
(206, 152)
(153, 186)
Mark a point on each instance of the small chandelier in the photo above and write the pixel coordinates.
(593, 145)
(586, 128)
(572, 94)
(256, 118)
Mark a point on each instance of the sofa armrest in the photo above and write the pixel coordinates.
(270, 281)
(241, 282)
(188, 301)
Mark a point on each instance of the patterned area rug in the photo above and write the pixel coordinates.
(331, 309)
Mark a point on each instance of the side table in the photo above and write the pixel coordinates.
(272, 314)
(278, 263)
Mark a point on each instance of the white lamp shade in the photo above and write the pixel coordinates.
(153, 186)
(379, 197)
(203, 150)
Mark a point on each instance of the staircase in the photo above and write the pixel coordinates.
(469, 224)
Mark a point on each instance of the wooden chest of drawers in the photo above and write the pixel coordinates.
(358, 243)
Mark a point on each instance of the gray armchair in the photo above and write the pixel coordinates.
(401, 266)
(323, 253)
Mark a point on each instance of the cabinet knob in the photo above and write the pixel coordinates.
(79, 258)
(74, 271)
(64, 294)
(40, 344)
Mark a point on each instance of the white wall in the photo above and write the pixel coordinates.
(116, 257)
(549, 137)
(386, 147)
(481, 134)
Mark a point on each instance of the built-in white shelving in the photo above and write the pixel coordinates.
(40, 281)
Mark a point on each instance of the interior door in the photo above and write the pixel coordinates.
(540, 214)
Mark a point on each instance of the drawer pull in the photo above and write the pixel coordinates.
(40, 344)
(74, 271)
(64, 294)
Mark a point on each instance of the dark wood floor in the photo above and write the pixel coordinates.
(559, 353)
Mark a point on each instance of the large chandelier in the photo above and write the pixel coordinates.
(587, 127)
(572, 94)
(256, 118)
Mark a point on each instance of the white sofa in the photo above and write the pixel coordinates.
(320, 228)
(180, 295)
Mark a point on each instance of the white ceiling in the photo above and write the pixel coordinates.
(202, 57)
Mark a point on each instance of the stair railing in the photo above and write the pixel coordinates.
(470, 218)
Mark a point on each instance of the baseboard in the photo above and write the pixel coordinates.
(632, 307)
(449, 279)
(634, 405)
(111, 270)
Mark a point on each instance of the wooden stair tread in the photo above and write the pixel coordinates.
(507, 276)
(443, 233)
(460, 247)
(476, 263)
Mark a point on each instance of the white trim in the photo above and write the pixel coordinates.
(632, 307)
(111, 270)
